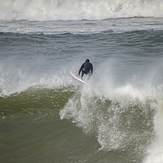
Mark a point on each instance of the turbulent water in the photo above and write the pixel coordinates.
(48, 116)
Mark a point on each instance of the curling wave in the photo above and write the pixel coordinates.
(122, 120)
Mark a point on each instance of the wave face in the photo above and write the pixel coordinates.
(121, 119)
(77, 9)
(124, 119)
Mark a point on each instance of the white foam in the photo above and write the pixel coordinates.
(155, 150)
(77, 9)
(120, 116)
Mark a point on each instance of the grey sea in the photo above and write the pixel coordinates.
(46, 116)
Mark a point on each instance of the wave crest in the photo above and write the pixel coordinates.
(122, 121)
(77, 9)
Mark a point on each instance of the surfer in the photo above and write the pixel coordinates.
(86, 68)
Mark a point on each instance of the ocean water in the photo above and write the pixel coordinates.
(47, 116)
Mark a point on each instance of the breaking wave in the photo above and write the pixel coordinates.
(42, 10)
(125, 119)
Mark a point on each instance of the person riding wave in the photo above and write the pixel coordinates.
(86, 68)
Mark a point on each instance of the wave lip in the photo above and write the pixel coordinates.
(78, 10)
(121, 120)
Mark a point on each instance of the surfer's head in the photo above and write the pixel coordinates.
(87, 60)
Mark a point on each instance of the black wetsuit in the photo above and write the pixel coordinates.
(86, 68)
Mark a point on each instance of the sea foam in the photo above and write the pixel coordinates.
(42, 10)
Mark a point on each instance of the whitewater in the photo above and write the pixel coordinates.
(78, 9)
(46, 115)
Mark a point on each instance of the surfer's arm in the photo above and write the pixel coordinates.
(81, 68)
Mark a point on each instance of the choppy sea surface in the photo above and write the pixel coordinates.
(48, 116)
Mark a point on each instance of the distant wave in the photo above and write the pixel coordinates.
(78, 9)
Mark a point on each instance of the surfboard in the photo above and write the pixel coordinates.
(77, 78)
